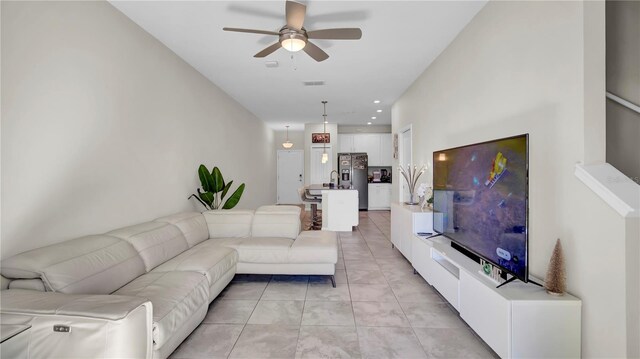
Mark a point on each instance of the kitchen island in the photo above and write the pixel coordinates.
(339, 207)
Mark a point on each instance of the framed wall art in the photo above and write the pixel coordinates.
(321, 137)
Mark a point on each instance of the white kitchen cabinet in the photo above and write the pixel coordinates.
(345, 143)
(377, 146)
(379, 196)
(369, 143)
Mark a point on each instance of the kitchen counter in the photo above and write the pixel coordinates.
(316, 189)
(339, 207)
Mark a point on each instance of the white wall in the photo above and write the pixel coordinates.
(103, 126)
(518, 67)
(310, 128)
(633, 286)
(296, 137)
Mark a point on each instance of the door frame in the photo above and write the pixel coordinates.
(401, 158)
(277, 171)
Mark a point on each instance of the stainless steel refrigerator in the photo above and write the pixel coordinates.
(353, 170)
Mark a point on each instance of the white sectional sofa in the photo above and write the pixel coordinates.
(139, 291)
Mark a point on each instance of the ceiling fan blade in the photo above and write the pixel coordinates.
(269, 50)
(315, 52)
(336, 34)
(295, 14)
(251, 31)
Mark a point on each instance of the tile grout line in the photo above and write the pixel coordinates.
(247, 322)
(355, 324)
(396, 296)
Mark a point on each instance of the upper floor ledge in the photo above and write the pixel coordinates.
(616, 189)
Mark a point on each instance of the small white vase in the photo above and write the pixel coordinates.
(412, 199)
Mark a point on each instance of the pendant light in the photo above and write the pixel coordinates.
(325, 156)
(287, 144)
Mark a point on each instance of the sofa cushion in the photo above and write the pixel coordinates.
(276, 224)
(191, 224)
(279, 208)
(211, 261)
(30, 284)
(176, 297)
(314, 247)
(156, 242)
(226, 242)
(88, 265)
(228, 223)
(263, 250)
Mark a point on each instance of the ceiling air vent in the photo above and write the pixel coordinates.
(313, 83)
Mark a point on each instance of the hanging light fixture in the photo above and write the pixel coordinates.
(325, 156)
(287, 144)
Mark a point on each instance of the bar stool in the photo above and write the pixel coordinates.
(316, 222)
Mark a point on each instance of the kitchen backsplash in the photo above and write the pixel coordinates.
(385, 174)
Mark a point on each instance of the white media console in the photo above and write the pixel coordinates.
(518, 320)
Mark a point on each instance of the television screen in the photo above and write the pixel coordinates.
(480, 200)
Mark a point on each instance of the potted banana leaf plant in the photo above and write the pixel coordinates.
(214, 190)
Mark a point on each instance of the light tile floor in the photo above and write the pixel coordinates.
(380, 309)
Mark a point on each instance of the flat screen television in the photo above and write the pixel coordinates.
(481, 200)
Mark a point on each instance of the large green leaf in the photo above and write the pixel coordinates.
(199, 200)
(218, 181)
(207, 197)
(225, 190)
(235, 198)
(206, 179)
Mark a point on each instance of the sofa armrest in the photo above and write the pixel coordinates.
(108, 326)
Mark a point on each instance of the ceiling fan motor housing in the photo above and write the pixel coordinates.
(293, 40)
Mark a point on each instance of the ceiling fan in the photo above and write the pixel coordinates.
(294, 37)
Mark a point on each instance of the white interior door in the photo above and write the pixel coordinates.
(319, 172)
(404, 158)
(290, 176)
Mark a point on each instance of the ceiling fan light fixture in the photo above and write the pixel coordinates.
(293, 42)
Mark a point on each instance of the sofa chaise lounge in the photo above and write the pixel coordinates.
(139, 291)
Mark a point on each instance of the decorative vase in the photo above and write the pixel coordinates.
(411, 175)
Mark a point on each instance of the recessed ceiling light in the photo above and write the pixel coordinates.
(373, 118)
(378, 111)
(326, 121)
(368, 123)
(376, 101)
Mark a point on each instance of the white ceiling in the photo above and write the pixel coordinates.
(400, 39)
